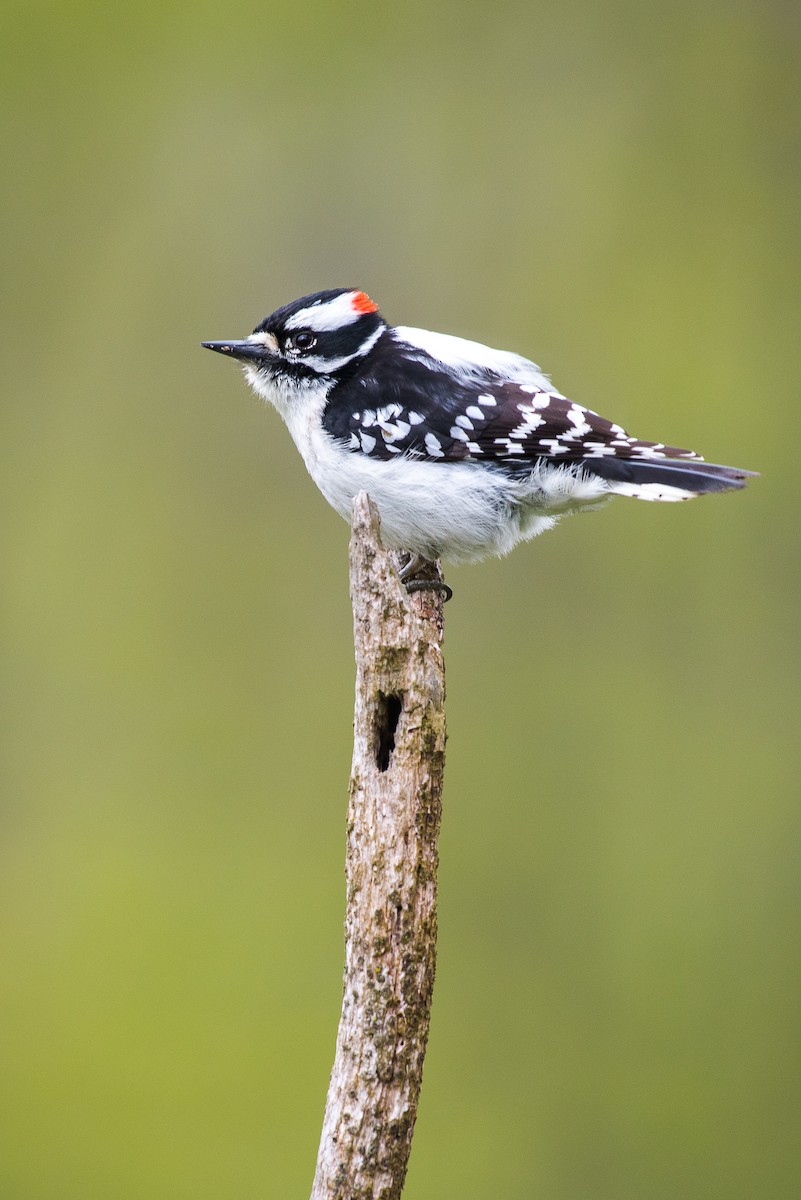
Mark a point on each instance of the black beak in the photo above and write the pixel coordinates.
(245, 350)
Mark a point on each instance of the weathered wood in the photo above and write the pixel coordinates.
(391, 873)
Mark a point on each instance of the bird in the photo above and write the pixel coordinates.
(466, 450)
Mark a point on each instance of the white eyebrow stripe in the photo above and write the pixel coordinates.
(322, 318)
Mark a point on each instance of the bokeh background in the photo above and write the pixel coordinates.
(611, 188)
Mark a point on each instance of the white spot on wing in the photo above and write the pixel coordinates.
(576, 415)
(393, 431)
(598, 450)
(531, 421)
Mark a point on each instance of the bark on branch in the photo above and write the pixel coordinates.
(391, 873)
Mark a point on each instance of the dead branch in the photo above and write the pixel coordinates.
(391, 873)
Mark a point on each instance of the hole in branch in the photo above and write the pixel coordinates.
(388, 711)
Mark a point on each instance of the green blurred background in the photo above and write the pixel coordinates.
(613, 189)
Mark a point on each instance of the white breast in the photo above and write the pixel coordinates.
(460, 512)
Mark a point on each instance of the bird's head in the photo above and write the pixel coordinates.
(314, 340)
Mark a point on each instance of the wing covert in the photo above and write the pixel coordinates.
(422, 410)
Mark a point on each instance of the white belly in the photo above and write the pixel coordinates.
(460, 512)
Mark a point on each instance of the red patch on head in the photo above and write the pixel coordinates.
(362, 303)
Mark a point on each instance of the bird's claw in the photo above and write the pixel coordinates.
(429, 585)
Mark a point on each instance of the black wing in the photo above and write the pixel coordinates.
(404, 406)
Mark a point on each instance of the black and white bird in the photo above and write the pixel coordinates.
(466, 450)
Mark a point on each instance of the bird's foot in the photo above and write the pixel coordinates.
(408, 573)
(430, 585)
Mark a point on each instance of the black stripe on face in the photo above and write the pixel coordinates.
(348, 340)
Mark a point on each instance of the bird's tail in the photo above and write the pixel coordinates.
(665, 478)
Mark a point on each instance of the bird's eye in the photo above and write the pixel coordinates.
(302, 341)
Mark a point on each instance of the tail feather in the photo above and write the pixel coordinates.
(693, 476)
